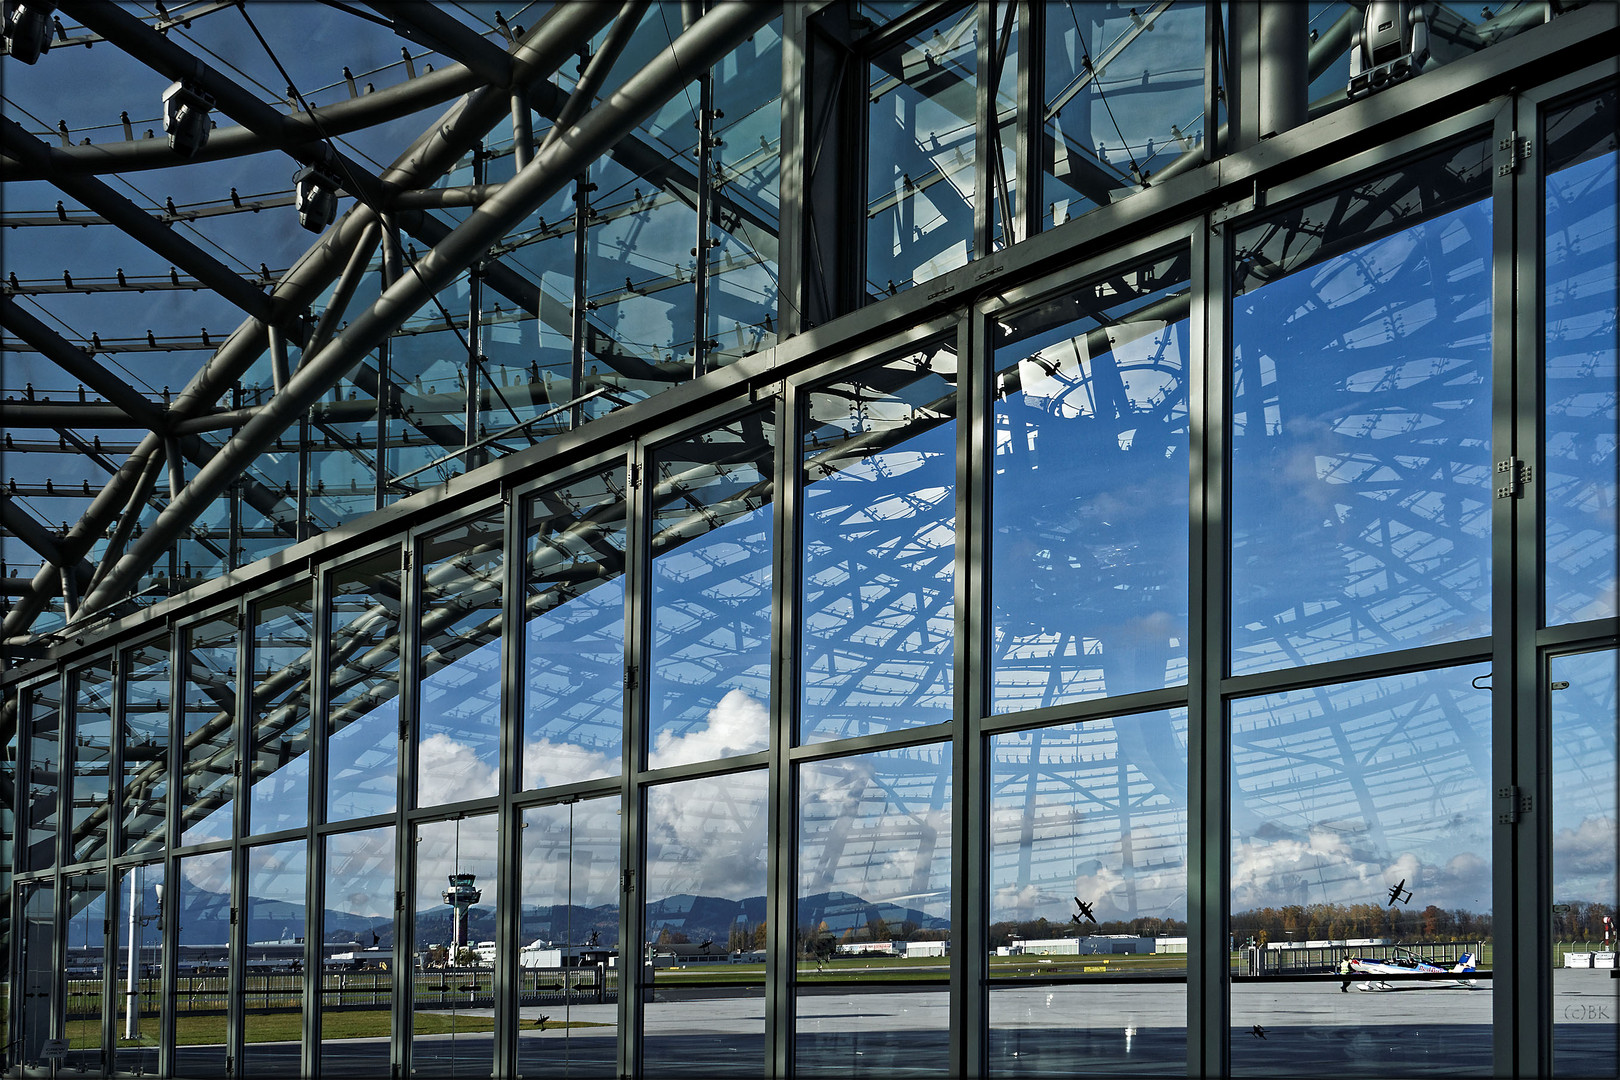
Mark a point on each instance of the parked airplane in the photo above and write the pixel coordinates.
(1412, 965)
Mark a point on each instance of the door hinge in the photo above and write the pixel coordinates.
(1509, 152)
(1514, 474)
(399, 899)
(635, 474)
(627, 881)
(234, 912)
(631, 677)
(1511, 805)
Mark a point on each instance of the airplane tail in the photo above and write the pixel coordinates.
(1465, 964)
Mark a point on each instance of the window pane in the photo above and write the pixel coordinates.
(459, 708)
(86, 970)
(273, 979)
(1361, 443)
(874, 877)
(138, 989)
(44, 718)
(145, 788)
(1124, 99)
(709, 692)
(569, 965)
(202, 889)
(208, 761)
(1089, 512)
(1586, 998)
(357, 982)
(1088, 895)
(362, 752)
(920, 154)
(878, 607)
(279, 716)
(1361, 832)
(705, 879)
(573, 644)
(454, 939)
(36, 963)
(91, 793)
(1580, 386)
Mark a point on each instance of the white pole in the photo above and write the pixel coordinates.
(132, 1020)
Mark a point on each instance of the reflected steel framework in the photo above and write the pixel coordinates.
(852, 611)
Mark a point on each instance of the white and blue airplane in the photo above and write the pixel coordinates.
(1412, 965)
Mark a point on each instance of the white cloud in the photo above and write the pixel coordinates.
(737, 725)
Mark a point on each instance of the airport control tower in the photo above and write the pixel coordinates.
(461, 895)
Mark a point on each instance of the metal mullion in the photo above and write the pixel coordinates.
(315, 844)
(168, 917)
(404, 804)
(509, 853)
(984, 112)
(697, 769)
(1214, 89)
(632, 868)
(1097, 708)
(1358, 668)
(1559, 638)
(236, 970)
(969, 780)
(1028, 118)
(111, 908)
(899, 739)
(1208, 779)
(780, 850)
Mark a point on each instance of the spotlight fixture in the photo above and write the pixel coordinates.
(27, 29)
(1390, 47)
(315, 195)
(185, 118)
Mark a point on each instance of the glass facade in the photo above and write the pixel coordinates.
(1140, 600)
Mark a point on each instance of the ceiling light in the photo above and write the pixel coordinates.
(185, 118)
(27, 29)
(315, 195)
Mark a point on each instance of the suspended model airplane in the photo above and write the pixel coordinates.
(1085, 910)
(1408, 964)
(1399, 892)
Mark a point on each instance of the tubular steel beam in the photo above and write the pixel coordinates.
(545, 46)
(46, 544)
(137, 406)
(140, 225)
(425, 24)
(643, 94)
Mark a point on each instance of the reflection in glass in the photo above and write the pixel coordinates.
(1095, 812)
(878, 463)
(1581, 293)
(454, 942)
(86, 969)
(573, 643)
(357, 942)
(1089, 499)
(202, 891)
(273, 942)
(1361, 442)
(90, 795)
(459, 707)
(36, 964)
(1585, 807)
(44, 733)
(208, 749)
(1124, 99)
(569, 930)
(874, 875)
(278, 713)
(138, 987)
(144, 791)
(920, 161)
(709, 662)
(1340, 794)
(705, 901)
(362, 752)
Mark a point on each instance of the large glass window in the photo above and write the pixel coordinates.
(573, 631)
(202, 893)
(139, 989)
(278, 713)
(921, 154)
(878, 465)
(709, 662)
(1088, 571)
(43, 716)
(90, 793)
(144, 791)
(569, 964)
(208, 729)
(1580, 368)
(705, 887)
(272, 942)
(1361, 482)
(873, 910)
(85, 975)
(1361, 864)
(1088, 897)
(357, 945)
(459, 711)
(453, 998)
(1585, 807)
(362, 722)
(37, 966)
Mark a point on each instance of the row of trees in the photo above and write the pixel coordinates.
(1336, 922)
